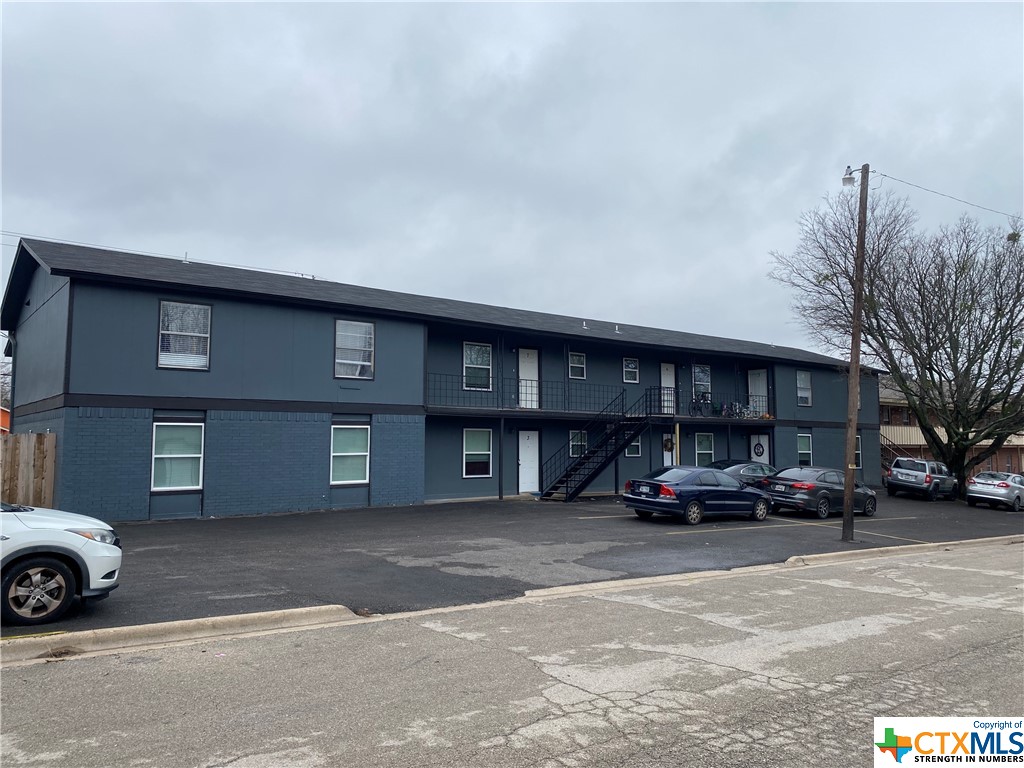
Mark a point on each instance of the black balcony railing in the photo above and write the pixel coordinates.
(724, 405)
(446, 390)
(453, 391)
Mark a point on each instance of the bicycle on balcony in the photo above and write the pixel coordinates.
(700, 405)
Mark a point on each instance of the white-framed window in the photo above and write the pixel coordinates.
(803, 387)
(177, 457)
(577, 443)
(704, 443)
(577, 365)
(631, 370)
(633, 450)
(701, 380)
(476, 366)
(476, 453)
(184, 335)
(350, 454)
(856, 455)
(353, 349)
(804, 452)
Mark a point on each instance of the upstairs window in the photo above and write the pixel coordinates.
(631, 370)
(701, 380)
(184, 335)
(577, 365)
(353, 350)
(803, 387)
(476, 366)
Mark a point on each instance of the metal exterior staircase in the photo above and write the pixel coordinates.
(890, 452)
(564, 476)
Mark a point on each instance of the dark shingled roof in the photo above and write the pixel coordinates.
(83, 262)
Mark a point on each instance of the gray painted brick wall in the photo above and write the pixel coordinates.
(260, 462)
(105, 462)
(397, 460)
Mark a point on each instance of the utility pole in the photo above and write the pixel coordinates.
(853, 389)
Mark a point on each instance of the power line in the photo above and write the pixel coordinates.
(943, 194)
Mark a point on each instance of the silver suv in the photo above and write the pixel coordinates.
(930, 479)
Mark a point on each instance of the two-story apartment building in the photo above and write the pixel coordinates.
(183, 389)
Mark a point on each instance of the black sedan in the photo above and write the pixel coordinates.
(746, 471)
(692, 492)
(816, 489)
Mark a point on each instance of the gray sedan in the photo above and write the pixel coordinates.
(996, 488)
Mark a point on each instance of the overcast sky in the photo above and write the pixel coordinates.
(635, 163)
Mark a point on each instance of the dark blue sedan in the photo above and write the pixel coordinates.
(693, 492)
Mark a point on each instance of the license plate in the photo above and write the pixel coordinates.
(906, 477)
(778, 487)
(644, 488)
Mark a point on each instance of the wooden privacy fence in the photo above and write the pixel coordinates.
(27, 464)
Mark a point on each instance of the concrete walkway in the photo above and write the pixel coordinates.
(772, 665)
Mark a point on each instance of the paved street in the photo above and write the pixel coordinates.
(781, 666)
(413, 558)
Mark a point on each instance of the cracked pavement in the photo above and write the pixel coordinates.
(752, 668)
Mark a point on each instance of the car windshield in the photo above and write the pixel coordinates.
(910, 464)
(799, 473)
(668, 474)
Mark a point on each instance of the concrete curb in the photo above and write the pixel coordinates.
(61, 645)
(864, 554)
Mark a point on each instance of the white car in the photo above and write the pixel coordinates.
(48, 558)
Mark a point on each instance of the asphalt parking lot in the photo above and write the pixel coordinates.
(411, 558)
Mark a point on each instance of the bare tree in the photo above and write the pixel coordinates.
(943, 313)
(5, 382)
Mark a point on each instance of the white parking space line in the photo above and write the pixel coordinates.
(602, 517)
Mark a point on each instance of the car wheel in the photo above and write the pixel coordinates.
(889, 490)
(824, 508)
(760, 510)
(643, 514)
(694, 512)
(870, 506)
(37, 590)
(932, 494)
(971, 502)
(1016, 504)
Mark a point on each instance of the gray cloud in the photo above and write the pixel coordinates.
(635, 163)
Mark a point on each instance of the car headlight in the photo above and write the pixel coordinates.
(102, 535)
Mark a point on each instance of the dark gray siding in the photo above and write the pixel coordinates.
(41, 339)
(257, 352)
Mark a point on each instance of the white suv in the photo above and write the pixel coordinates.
(48, 557)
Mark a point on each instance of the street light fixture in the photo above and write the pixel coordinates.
(853, 389)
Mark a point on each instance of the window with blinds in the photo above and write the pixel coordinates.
(184, 335)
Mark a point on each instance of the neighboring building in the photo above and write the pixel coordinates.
(5, 421)
(901, 435)
(180, 389)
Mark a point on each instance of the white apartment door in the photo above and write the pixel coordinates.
(668, 457)
(529, 375)
(529, 461)
(759, 449)
(757, 389)
(668, 388)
